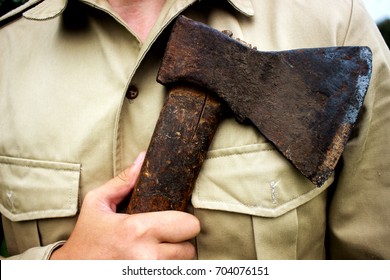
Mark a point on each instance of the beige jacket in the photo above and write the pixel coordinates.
(66, 127)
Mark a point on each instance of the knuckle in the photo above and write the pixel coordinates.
(138, 228)
(185, 251)
(191, 251)
(123, 176)
(90, 197)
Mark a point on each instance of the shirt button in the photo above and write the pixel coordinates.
(132, 92)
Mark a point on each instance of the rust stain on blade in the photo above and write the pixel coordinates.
(304, 101)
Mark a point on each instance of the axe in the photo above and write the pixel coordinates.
(303, 101)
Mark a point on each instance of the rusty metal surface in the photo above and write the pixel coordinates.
(180, 141)
(304, 101)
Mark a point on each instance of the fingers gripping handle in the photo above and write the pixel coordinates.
(179, 144)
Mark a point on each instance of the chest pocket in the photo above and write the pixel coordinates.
(32, 189)
(257, 205)
(32, 192)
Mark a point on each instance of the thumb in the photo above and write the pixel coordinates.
(116, 189)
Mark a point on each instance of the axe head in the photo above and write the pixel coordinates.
(304, 101)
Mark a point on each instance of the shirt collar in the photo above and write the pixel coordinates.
(46, 10)
(52, 8)
(243, 6)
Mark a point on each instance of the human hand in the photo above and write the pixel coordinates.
(101, 233)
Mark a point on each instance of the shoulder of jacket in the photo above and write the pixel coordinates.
(18, 12)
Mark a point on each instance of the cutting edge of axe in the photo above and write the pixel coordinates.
(304, 101)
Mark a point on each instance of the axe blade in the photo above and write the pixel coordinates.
(304, 101)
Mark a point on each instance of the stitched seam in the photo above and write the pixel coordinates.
(349, 23)
(39, 167)
(259, 207)
(237, 154)
(42, 211)
(255, 206)
(296, 233)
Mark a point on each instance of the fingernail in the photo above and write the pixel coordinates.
(140, 158)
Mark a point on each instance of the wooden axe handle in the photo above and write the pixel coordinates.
(179, 144)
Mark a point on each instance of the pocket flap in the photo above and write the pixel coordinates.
(254, 180)
(34, 189)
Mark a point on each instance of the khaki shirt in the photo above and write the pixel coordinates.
(67, 127)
